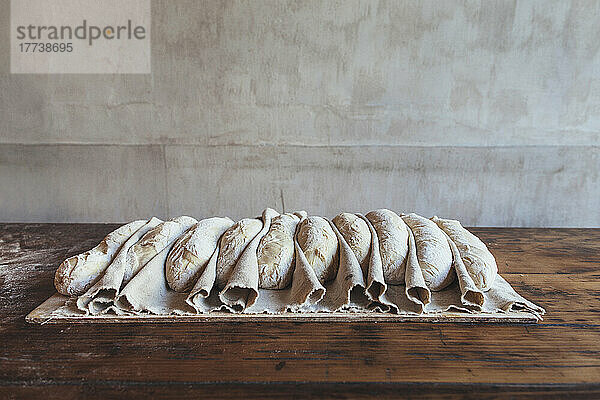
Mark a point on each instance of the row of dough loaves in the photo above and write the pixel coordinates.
(193, 243)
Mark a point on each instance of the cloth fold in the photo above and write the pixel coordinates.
(415, 288)
(376, 285)
(148, 291)
(204, 284)
(349, 284)
(306, 289)
(470, 294)
(101, 296)
(241, 290)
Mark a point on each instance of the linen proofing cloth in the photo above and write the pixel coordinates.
(351, 290)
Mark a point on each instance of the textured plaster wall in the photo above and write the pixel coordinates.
(484, 111)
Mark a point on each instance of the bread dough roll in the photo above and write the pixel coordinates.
(232, 244)
(433, 252)
(392, 233)
(320, 246)
(480, 263)
(357, 234)
(78, 273)
(154, 242)
(276, 253)
(191, 252)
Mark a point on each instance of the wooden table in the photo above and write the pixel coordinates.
(556, 268)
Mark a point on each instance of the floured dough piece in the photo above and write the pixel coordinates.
(153, 242)
(191, 252)
(320, 246)
(276, 253)
(78, 273)
(433, 252)
(392, 233)
(233, 242)
(357, 234)
(478, 260)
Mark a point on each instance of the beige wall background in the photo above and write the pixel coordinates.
(485, 111)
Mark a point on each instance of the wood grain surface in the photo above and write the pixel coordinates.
(559, 357)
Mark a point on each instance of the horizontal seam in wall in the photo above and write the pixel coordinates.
(342, 145)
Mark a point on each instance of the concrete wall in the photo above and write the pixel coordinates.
(484, 111)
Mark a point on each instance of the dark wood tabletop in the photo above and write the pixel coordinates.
(558, 269)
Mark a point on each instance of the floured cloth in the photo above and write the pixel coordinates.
(352, 290)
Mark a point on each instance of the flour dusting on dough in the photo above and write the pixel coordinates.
(433, 251)
(192, 250)
(357, 234)
(276, 253)
(233, 242)
(320, 246)
(478, 260)
(392, 233)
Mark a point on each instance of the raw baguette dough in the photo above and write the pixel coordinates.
(153, 242)
(320, 246)
(78, 273)
(232, 244)
(276, 253)
(192, 250)
(357, 234)
(478, 260)
(392, 233)
(433, 252)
